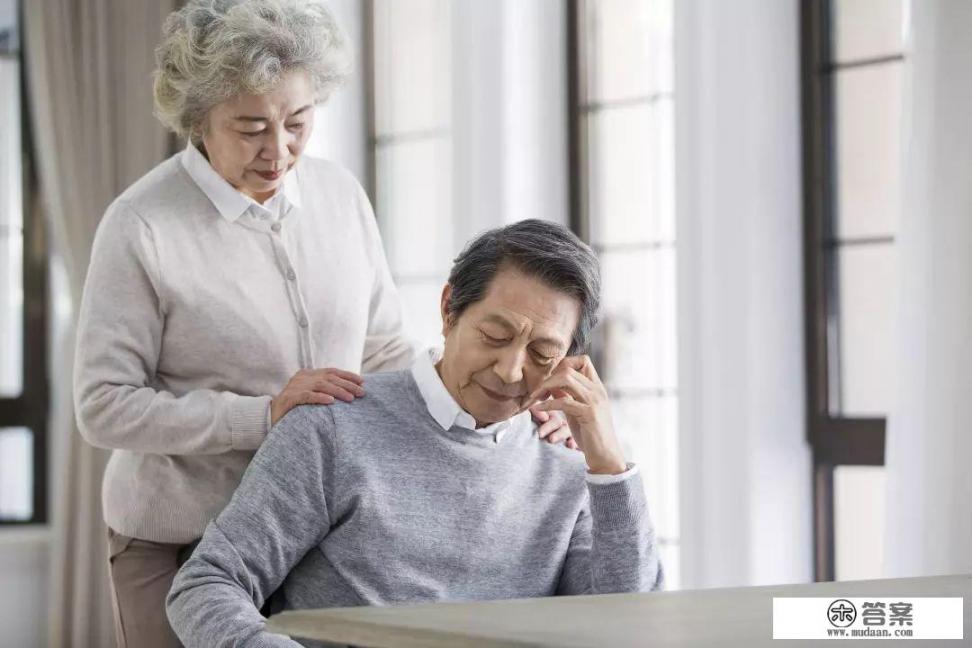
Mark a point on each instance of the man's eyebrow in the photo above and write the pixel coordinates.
(502, 321)
(557, 344)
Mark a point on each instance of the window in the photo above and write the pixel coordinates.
(23, 258)
(623, 204)
(619, 64)
(412, 143)
(853, 62)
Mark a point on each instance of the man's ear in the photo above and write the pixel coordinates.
(444, 309)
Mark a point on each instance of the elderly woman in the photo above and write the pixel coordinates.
(232, 282)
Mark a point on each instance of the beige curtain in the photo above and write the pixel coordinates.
(89, 65)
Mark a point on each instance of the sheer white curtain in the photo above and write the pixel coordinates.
(89, 66)
(929, 443)
(744, 460)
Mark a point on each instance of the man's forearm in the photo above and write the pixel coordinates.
(624, 554)
(209, 603)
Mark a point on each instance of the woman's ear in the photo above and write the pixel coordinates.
(444, 309)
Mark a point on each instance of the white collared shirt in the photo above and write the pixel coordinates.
(444, 408)
(447, 412)
(230, 201)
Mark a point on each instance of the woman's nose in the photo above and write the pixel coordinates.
(277, 147)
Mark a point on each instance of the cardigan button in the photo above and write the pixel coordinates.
(275, 227)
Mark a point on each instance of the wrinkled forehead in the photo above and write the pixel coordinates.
(523, 306)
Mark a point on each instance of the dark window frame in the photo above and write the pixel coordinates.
(577, 219)
(835, 440)
(30, 409)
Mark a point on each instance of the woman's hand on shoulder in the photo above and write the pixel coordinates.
(316, 387)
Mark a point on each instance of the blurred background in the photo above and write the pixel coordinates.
(777, 190)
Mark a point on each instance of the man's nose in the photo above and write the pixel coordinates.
(509, 365)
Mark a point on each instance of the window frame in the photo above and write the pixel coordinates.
(834, 440)
(577, 218)
(580, 220)
(30, 408)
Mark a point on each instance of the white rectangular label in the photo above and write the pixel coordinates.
(868, 618)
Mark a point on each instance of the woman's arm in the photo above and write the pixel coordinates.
(119, 338)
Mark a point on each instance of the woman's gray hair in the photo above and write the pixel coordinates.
(212, 50)
(543, 250)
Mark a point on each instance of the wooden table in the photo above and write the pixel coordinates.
(715, 617)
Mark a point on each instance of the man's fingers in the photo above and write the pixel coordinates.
(583, 365)
(582, 379)
(572, 444)
(566, 405)
(551, 425)
(571, 382)
(560, 435)
(539, 416)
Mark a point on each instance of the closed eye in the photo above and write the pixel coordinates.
(493, 340)
(541, 359)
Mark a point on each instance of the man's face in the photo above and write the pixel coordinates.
(502, 347)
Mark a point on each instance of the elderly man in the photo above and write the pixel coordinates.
(434, 486)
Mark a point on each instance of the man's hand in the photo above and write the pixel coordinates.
(575, 389)
(553, 427)
(316, 387)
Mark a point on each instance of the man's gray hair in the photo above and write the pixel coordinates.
(213, 50)
(543, 250)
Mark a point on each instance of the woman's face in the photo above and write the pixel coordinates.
(254, 140)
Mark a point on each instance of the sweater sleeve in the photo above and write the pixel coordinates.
(612, 548)
(119, 338)
(279, 513)
(387, 347)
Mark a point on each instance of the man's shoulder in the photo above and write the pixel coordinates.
(385, 393)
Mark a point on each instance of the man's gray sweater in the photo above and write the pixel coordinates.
(373, 503)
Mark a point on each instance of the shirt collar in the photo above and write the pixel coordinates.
(444, 408)
(228, 200)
